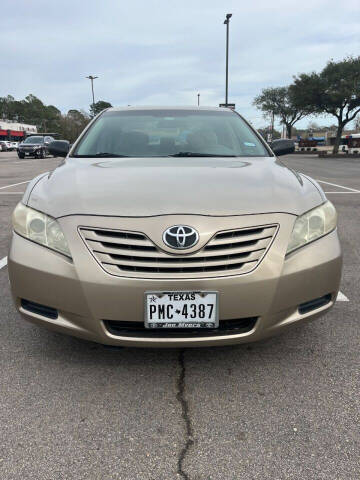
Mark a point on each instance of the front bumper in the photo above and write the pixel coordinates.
(30, 152)
(86, 297)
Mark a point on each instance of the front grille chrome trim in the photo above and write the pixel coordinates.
(133, 254)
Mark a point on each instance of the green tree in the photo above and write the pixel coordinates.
(335, 91)
(50, 119)
(47, 118)
(30, 110)
(99, 107)
(33, 111)
(278, 101)
(72, 124)
(264, 131)
(9, 108)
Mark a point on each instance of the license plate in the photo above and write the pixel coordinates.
(181, 310)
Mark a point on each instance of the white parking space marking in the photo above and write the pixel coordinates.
(339, 186)
(349, 193)
(14, 184)
(342, 298)
(3, 262)
(12, 193)
(23, 161)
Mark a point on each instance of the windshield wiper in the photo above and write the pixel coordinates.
(194, 154)
(101, 155)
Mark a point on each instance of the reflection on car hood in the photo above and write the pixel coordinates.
(160, 186)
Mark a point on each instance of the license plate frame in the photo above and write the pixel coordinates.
(192, 323)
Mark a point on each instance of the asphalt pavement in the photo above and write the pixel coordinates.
(285, 408)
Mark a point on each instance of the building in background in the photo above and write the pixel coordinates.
(15, 131)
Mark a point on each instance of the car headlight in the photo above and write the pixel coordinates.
(39, 228)
(312, 225)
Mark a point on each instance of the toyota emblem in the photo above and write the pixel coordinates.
(180, 237)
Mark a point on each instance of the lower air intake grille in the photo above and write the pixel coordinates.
(137, 329)
(39, 309)
(314, 304)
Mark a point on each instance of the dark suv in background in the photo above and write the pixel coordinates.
(35, 146)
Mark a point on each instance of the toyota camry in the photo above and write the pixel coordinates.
(173, 227)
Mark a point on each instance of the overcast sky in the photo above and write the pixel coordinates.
(163, 52)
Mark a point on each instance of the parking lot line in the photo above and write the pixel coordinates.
(22, 162)
(349, 193)
(12, 193)
(342, 298)
(340, 186)
(3, 262)
(14, 184)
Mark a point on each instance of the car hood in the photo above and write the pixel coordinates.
(161, 186)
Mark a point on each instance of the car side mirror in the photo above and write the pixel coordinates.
(59, 148)
(282, 146)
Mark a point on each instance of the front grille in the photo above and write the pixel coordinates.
(137, 329)
(125, 253)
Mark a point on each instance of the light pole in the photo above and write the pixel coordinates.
(226, 22)
(198, 95)
(91, 78)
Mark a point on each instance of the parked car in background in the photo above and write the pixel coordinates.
(34, 146)
(3, 146)
(8, 144)
(14, 145)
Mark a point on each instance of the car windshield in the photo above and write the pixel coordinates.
(154, 133)
(34, 140)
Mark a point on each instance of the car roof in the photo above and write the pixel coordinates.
(167, 107)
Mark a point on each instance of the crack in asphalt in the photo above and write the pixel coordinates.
(189, 439)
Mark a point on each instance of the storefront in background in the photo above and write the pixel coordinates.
(13, 135)
(14, 131)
